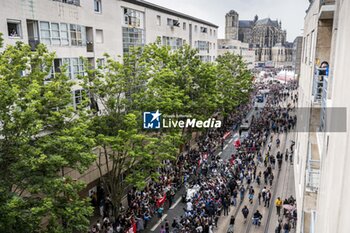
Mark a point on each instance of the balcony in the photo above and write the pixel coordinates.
(89, 39)
(327, 8)
(319, 84)
(312, 167)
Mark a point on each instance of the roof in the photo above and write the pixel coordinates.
(246, 23)
(232, 12)
(268, 22)
(169, 11)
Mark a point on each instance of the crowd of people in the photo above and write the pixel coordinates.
(217, 183)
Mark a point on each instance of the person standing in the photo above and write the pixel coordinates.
(242, 191)
(232, 223)
(162, 229)
(263, 193)
(225, 204)
(259, 198)
(278, 204)
(234, 197)
(167, 226)
(267, 199)
(286, 227)
(251, 194)
(245, 213)
(278, 228)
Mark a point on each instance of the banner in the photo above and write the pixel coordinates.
(226, 135)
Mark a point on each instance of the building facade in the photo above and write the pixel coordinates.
(81, 28)
(239, 48)
(262, 35)
(322, 161)
(297, 49)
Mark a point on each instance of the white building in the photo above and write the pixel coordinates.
(239, 48)
(90, 28)
(322, 145)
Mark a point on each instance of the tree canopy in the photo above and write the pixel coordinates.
(40, 136)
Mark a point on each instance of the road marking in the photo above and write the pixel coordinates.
(225, 146)
(220, 153)
(159, 222)
(175, 204)
(231, 140)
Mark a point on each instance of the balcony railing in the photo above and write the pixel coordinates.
(321, 74)
(89, 46)
(312, 172)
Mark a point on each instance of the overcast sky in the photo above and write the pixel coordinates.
(290, 12)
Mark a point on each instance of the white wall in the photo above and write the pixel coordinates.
(304, 101)
(239, 48)
(334, 202)
(53, 11)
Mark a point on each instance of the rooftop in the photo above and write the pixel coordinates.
(267, 21)
(169, 11)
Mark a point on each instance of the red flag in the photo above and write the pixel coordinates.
(237, 143)
(161, 201)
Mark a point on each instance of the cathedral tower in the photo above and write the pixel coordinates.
(231, 28)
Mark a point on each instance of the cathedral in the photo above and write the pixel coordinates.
(265, 36)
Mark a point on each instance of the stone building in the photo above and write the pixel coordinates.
(265, 36)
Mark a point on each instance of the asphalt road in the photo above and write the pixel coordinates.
(177, 209)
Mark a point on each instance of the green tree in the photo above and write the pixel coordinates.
(40, 136)
(128, 155)
(234, 82)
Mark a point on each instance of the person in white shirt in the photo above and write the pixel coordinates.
(189, 206)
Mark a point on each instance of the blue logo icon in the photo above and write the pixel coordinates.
(151, 120)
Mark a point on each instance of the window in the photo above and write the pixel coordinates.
(55, 34)
(45, 33)
(78, 97)
(202, 45)
(64, 34)
(214, 32)
(77, 35)
(73, 2)
(195, 28)
(99, 36)
(184, 26)
(133, 18)
(98, 6)
(173, 42)
(77, 67)
(14, 28)
(211, 32)
(204, 30)
(56, 67)
(159, 21)
(132, 37)
(205, 58)
(173, 22)
(101, 61)
(74, 67)
(213, 45)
